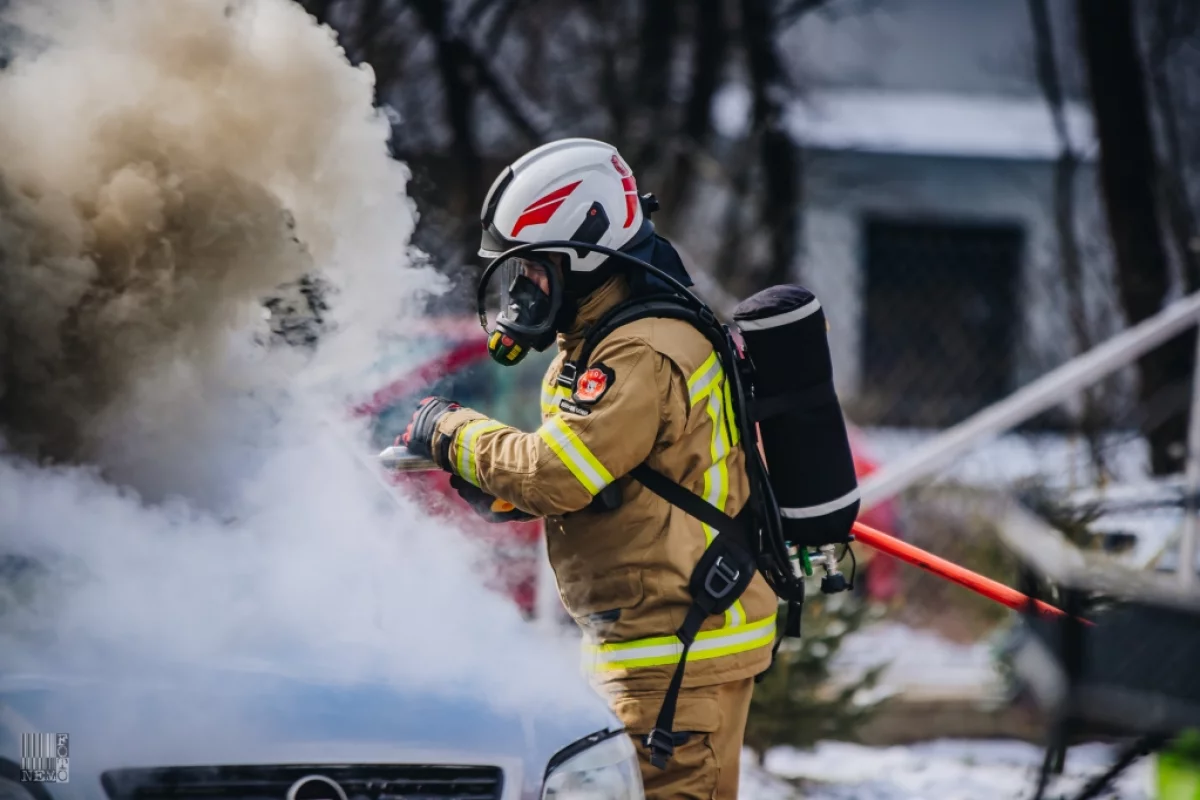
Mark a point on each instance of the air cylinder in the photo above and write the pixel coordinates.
(801, 426)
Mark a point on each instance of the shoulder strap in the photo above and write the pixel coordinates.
(718, 580)
(668, 306)
(689, 502)
(728, 565)
(720, 577)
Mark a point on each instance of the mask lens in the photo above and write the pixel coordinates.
(520, 293)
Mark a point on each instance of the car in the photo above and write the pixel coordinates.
(255, 735)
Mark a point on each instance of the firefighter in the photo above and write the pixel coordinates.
(655, 392)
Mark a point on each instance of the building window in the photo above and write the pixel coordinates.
(940, 319)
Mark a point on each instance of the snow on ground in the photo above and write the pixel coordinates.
(918, 661)
(938, 770)
(923, 663)
(1063, 463)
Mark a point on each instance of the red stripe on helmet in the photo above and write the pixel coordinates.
(630, 187)
(541, 210)
(557, 194)
(631, 199)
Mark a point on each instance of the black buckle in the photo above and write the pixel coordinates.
(723, 571)
(661, 745)
(566, 376)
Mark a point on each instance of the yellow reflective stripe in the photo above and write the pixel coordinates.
(716, 477)
(586, 468)
(464, 447)
(550, 397)
(720, 437)
(716, 481)
(664, 650)
(729, 417)
(702, 380)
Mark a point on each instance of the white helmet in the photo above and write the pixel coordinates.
(572, 189)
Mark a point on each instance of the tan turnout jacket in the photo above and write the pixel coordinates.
(658, 394)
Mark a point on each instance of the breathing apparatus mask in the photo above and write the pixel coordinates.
(526, 298)
(521, 305)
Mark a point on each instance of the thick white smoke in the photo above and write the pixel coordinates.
(197, 498)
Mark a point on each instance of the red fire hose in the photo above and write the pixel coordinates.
(948, 570)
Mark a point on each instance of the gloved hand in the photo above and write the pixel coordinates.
(418, 436)
(486, 506)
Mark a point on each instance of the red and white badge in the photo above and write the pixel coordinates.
(592, 384)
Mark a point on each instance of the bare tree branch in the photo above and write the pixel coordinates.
(376, 45)
(651, 91)
(319, 9)
(612, 94)
(500, 20)
(778, 153)
(1175, 23)
(791, 11)
(499, 93)
(730, 258)
(709, 52)
(474, 11)
(459, 94)
(1070, 258)
(1128, 179)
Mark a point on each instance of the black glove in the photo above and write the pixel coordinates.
(486, 506)
(418, 436)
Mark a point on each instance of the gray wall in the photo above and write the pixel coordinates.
(844, 187)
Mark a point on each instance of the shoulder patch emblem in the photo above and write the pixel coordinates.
(591, 385)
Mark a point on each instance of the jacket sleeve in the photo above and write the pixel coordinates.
(560, 467)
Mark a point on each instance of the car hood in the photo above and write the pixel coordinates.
(254, 718)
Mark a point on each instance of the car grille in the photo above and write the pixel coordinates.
(360, 782)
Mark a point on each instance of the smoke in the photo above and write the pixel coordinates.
(192, 497)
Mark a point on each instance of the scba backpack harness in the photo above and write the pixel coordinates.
(782, 385)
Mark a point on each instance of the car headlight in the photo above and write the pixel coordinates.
(600, 767)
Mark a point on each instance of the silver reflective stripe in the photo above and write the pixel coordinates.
(785, 318)
(808, 512)
(586, 468)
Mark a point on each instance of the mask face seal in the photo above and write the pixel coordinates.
(522, 300)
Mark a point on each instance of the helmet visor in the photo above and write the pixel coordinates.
(523, 295)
